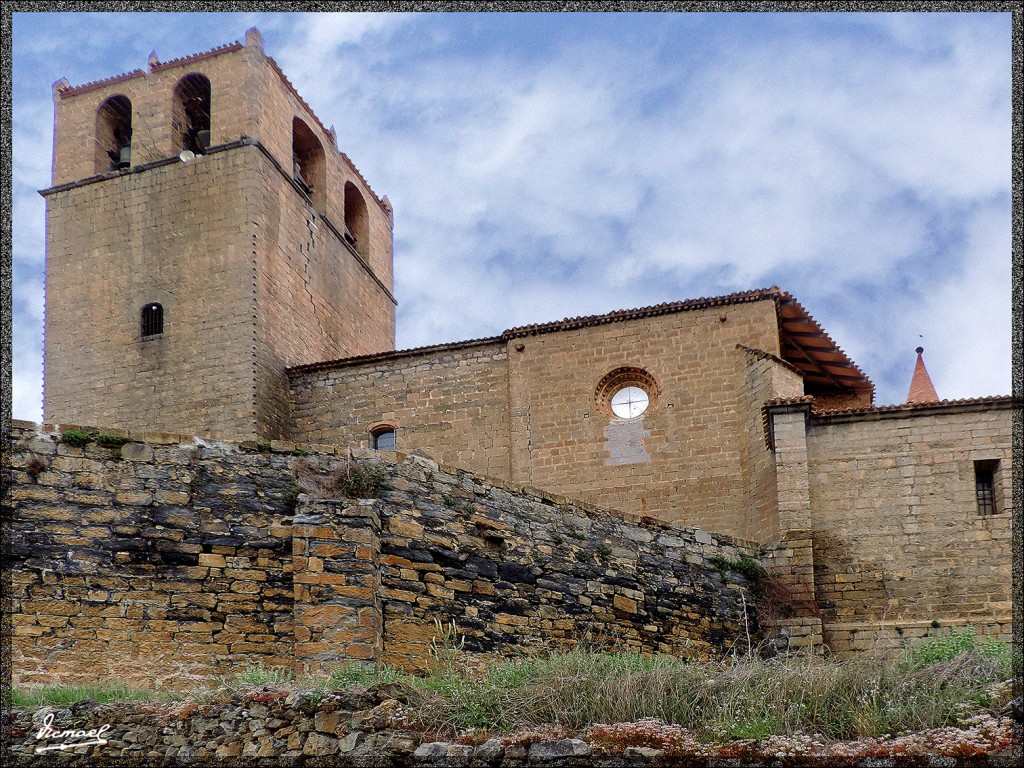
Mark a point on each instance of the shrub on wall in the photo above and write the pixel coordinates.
(347, 478)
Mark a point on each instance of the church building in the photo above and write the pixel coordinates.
(217, 267)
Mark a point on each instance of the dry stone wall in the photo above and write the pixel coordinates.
(147, 562)
(532, 571)
(161, 559)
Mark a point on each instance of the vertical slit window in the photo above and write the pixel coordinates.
(152, 320)
(984, 486)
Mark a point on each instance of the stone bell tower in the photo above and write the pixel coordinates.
(204, 233)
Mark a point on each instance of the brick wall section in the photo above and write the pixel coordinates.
(170, 560)
(529, 415)
(898, 539)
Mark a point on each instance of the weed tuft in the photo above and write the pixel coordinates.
(101, 693)
(347, 478)
(75, 438)
(260, 675)
(110, 441)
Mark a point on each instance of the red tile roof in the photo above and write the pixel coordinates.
(97, 84)
(806, 345)
(907, 409)
(814, 355)
(921, 389)
(996, 400)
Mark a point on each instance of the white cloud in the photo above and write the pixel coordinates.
(865, 170)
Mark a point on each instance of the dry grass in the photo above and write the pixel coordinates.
(746, 698)
(346, 478)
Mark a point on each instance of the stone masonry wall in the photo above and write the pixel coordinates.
(452, 403)
(109, 254)
(766, 377)
(249, 97)
(520, 571)
(253, 273)
(900, 548)
(525, 408)
(315, 298)
(157, 563)
(170, 561)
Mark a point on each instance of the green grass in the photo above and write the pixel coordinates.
(737, 698)
(954, 643)
(366, 675)
(65, 695)
(258, 675)
(939, 682)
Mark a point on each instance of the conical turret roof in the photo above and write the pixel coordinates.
(921, 388)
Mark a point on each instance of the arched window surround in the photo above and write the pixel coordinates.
(309, 165)
(357, 220)
(190, 113)
(114, 134)
(383, 436)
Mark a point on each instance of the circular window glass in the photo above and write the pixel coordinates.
(629, 402)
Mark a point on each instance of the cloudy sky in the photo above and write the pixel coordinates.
(552, 165)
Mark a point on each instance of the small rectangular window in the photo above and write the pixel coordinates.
(384, 440)
(152, 320)
(985, 485)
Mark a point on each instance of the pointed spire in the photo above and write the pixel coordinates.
(921, 389)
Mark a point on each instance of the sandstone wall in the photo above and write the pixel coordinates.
(528, 407)
(170, 561)
(900, 547)
(766, 377)
(530, 571)
(253, 273)
(452, 403)
(115, 246)
(147, 563)
(249, 96)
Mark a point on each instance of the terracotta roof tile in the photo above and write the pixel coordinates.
(666, 308)
(907, 407)
(921, 388)
(825, 360)
(97, 84)
(392, 354)
(814, 352)
(193, 57)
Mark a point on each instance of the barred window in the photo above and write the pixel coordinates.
(984, 485)
(152, 320)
